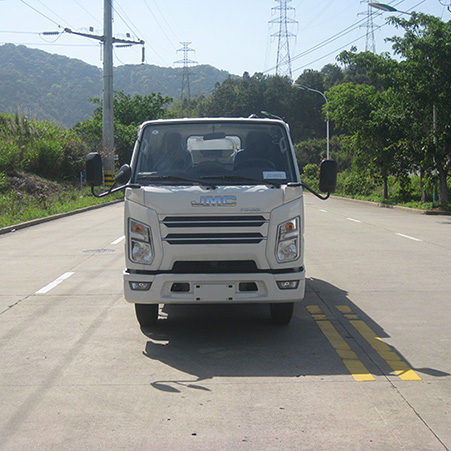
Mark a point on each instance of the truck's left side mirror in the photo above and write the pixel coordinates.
(94, 171)
(328, 176)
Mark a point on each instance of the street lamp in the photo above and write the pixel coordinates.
(384, 7)
(306, 88)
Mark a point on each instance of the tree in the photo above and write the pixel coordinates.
(370, 118)
(313, 151)
(129, 113)
(425, 84)
(249, 95)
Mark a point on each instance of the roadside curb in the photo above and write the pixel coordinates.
(396, 207)
(37, 221)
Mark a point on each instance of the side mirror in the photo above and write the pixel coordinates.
(328, 176)
(94, 169)
(124, 175)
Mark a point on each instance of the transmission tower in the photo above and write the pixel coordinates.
(185, 68)
(283, 64)
(370, 43)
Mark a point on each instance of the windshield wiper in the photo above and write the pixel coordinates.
(240, 178)
(172, 178)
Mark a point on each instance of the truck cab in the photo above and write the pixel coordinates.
(213, 214)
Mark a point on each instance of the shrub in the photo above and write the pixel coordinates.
(354, 183)
(310, 176)
(42, 148)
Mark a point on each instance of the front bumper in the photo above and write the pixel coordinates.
(214, 288)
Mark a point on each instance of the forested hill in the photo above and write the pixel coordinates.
(54, 87)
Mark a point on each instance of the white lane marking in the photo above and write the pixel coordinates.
(354, 220)
(323, 211)
(55, 283)
(408, 237)
(118, 240)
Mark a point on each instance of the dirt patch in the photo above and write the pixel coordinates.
(33, 185)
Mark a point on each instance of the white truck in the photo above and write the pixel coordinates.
(213, 214)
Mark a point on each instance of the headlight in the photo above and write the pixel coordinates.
(288, 241)
(140, 243)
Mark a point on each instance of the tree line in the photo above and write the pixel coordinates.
(390, 115)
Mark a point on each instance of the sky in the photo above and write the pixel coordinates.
(233, 35)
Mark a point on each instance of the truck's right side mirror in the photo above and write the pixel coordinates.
(328, 176)
(124, 174)
(94, 170)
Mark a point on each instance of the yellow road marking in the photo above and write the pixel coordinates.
(347, 355)
(399, 366)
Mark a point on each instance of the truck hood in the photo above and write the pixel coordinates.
(196, 200)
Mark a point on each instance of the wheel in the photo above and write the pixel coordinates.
(146, 314)
(281, 313)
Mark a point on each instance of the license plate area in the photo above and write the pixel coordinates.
(214, 292)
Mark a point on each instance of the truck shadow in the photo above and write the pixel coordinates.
(210, 341)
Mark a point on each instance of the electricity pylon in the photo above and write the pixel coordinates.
(283, 64)
(370, 43)
(185, 68)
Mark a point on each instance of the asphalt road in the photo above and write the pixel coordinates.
(364, 364)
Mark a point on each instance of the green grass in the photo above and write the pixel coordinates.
(353, 185)
(17, 207)
(376, 198)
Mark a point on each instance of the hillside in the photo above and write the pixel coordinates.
(57, 88)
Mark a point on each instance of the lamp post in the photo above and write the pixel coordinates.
(306, 88)
(384, 7)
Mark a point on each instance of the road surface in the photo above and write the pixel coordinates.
(364, 364)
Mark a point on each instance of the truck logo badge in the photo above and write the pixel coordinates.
(216, 201)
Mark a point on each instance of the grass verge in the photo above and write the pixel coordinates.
(426, 206)
(26, 197)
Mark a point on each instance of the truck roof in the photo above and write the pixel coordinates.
(253, 120)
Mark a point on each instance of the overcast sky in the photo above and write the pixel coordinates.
(234, 35)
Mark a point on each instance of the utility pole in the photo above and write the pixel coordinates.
(108, 93)
(108, 41)
(283, 64)
(185, 69)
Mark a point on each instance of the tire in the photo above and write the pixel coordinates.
(146, 314)
(282, 313)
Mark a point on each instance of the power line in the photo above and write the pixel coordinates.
(321, 44)
(165, 21)
(334, 52)
(87, 12)
(20, 32)
(158, 23)
(351, 42)
(54, 13)
(130, 27)
(133, 26)
(334, 38)
(51, 44)
(42, 14)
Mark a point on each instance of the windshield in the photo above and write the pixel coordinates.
(223, 153)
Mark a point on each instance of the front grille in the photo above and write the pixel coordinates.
(214, 238)
(210, 221)
(215, 267)
(213, 230)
